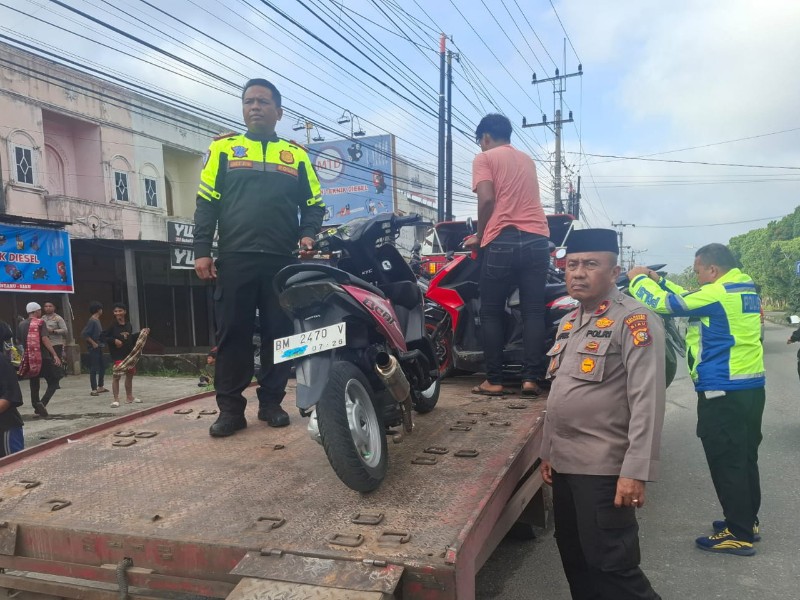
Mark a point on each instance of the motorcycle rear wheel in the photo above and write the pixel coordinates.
(425, 400)
(351, 428)
(443, 346)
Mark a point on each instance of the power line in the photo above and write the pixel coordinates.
(688, 162)
(709, 224)
(565, 32)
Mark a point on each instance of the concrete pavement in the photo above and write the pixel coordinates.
(72, 408)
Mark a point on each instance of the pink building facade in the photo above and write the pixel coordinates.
(112, 167)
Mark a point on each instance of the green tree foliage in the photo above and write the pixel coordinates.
(686, 279)
(769, 256)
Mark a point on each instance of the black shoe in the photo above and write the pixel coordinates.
(274, 415)
(39, 409)
(226, 425)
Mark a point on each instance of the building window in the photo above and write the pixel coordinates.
(120, 186)
(23, 158)
(150, 192)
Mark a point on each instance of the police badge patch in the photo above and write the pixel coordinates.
(587, 366)
(239, 151)
(287, 157)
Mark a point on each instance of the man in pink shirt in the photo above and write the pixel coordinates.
(513, 237)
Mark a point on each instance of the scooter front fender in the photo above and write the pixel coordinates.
(311, 372)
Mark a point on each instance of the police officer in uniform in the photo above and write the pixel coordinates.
(253, 186)
(602, 428)
(726, 362)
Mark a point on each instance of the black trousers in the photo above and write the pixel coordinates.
(244, 284)
(51, 375)
(599, 544)
(514, 258)
(730, 429)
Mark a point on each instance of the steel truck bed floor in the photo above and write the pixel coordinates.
(187, 508)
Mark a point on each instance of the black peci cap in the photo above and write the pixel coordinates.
(592, 240)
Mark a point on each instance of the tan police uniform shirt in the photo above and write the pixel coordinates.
(605, 409)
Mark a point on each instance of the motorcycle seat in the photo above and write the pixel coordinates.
(304, 273)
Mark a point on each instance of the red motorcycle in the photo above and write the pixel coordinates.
(362, 358)
(452, 319)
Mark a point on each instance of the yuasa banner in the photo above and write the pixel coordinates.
(35, 260)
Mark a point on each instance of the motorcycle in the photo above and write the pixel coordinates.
(363, 361)
(452, 319)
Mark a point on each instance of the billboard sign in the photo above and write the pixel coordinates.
(357, 176)
(35, 260)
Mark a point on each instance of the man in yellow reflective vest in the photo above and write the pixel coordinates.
(726, 361)
(253, 187)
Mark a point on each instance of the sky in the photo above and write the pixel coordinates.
(696, 81)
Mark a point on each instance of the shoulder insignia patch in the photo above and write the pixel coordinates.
(642, 337)
(603, 307)
(287, 157)
(637, 324)
(297, 144)
(568, 325)
(587, 366)
(604, 323)
(225, 135)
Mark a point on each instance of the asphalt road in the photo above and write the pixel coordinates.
(682, 505)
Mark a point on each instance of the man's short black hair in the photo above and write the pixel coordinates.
(718, 255)
(5, 332)
(121, 305)
(276, 95)
(496, 125)
(95, 306)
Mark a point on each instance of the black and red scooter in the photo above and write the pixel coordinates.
(452, 319)
(363, 361)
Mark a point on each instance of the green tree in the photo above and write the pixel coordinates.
(686, 279)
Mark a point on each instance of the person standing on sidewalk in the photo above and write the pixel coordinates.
(726, 362)
(514, 239)
(253, 187)
(11, 437)
(92, 334)
(121, 339)
(39, 359)
(56, 328)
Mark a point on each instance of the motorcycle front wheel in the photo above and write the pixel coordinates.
(351, 429)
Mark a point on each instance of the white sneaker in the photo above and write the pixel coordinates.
(137, 400)
(115, 404)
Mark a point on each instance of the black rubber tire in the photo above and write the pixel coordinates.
(337, 439)
(425, 403)
(672, 364)
(443, 347)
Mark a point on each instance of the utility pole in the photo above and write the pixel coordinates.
(555, 125)
(440, 195)
(619, 232)
(448, 190)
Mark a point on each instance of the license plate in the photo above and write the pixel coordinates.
(309, 342)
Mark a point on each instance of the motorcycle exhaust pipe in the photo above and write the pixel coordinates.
(388, 369)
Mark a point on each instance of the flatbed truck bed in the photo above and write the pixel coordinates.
(149, 506)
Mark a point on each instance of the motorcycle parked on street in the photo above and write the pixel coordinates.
(452, 319)
(363, 360)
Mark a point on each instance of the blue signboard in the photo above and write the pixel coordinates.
(35, 260)
(357, 176)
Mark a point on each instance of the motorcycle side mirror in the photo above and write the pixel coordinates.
(561, 253)
(470, 225)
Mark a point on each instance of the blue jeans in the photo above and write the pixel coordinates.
(514, 259)
(97, 370)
